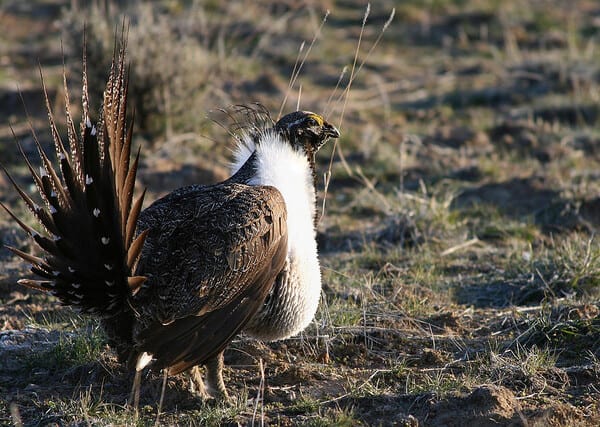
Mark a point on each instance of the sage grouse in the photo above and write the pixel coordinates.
(175, 283)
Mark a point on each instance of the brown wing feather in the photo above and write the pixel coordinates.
(214, 253)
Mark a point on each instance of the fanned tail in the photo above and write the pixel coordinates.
(88, 211)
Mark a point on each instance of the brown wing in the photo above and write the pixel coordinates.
(211, 256)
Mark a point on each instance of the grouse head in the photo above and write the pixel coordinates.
(306, 130)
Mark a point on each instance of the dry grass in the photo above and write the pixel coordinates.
(460, 266)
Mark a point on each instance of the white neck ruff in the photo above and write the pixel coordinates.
(281, 166)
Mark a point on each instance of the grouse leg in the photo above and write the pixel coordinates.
(214, 378)
(197, 382)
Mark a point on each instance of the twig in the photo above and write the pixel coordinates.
(260, 395)
(296, 71)
(369, 184)
(461, 246)
(353, 73)
(367, 381)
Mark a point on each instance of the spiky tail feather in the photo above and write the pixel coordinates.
(88, 213)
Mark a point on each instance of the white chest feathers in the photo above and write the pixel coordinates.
(294, 300)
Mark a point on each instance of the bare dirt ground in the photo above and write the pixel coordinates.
(461, 272)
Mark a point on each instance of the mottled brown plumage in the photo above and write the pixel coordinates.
(211, 256)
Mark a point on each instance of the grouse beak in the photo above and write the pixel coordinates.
(330, 131)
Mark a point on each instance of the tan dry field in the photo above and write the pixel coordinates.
(460, 263)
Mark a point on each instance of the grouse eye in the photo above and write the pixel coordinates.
(311, 122)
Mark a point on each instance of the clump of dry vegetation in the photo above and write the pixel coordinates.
(184, 60)
(461, 268)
